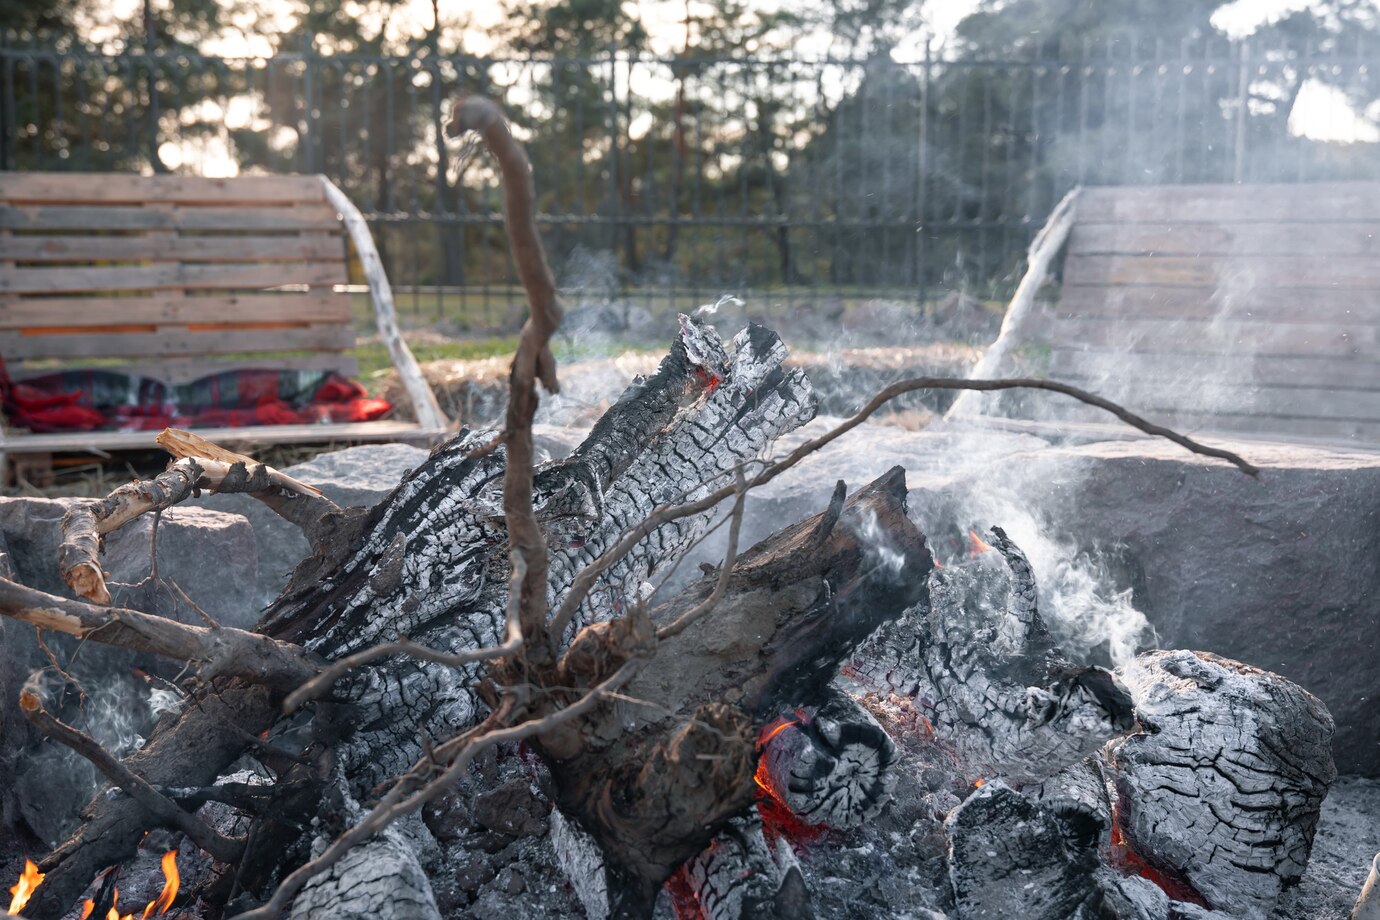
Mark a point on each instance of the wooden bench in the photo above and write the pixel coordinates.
(177, 277)
(1237, 309)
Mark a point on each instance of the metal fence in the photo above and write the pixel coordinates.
(664, 182)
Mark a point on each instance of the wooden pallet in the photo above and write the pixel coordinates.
(1249, 310)
(177, 277)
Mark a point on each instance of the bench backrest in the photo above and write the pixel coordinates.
(1231, 308)
(168, 270)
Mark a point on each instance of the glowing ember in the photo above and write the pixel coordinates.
(773, 729)
(24, 888)
(979, 783)
(170, 883)
(976, 544)
(1123, 855)
(87, 907)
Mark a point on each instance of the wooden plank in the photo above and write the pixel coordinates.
(1101, 366)
(1360, 432)
(159, 341)
(95, 217)
(316, 306)
(120, 187)
(1077, 432)
(167, 277)
(1153, 395)
(1263, 304)
(1272, 203)
(1212, 338)
(185, 370)
(21, 442)
(1324, 240)
(34, 248)
(1243, 273)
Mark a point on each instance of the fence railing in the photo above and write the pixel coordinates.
(666, 181)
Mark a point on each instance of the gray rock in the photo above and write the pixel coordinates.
(1224, 786)
(356, 476)
(211, 555)
(1281, 572)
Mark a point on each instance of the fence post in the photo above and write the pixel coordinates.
(6, 91)
(615, 204)
(151, 80)
(1242, 99)
(308, 102)
(922, 167)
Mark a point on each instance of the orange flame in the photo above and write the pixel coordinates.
(979, 783)
(171, 879)
(976, 544)
(87, 908)
(24, 888)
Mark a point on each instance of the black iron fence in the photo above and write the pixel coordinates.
(664, 182)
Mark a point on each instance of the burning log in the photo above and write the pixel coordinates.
(742, 875)
(831, 766)
(988, 675)
(647, 777)
(1223, 786)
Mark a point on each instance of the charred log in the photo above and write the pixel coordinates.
(742, 875)
(1223, 786)
(1011, 858)
(980, 661)
(650, 779)
(831, 766)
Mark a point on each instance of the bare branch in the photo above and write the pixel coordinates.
(224, 651)
(533, 361)
(584, 582)
(158, 805)
(79, 554)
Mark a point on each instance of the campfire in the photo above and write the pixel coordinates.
(485, 681)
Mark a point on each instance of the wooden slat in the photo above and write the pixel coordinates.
(1353, 374)
(167, 277)
(1147, 393)
(1079, 432)
(1323, 240)
(1303, 202)
(176, 341)
(1262, 304)
(94, 217)
(178, 371)
(35, 248)
(20, 442)
(1241, 274)
(1357, 431)
(309, 307)
(119, 187)
(1171, 338)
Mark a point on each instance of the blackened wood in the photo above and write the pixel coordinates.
(652, 779)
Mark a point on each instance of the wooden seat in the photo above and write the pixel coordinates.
(177, 277)
(1246, 310)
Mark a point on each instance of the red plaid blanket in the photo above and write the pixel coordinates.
(90, 400)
